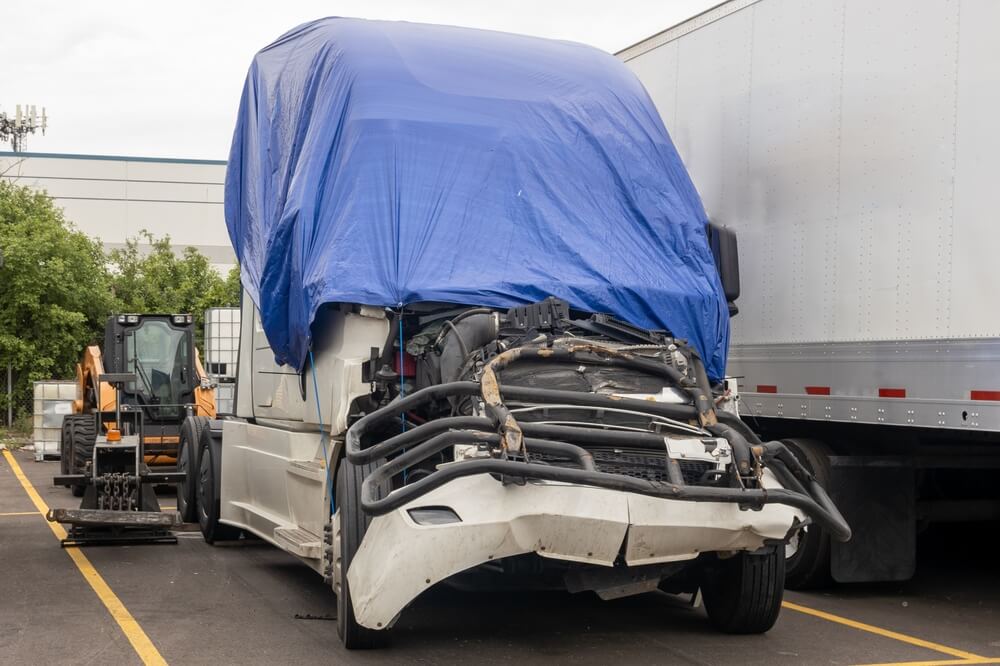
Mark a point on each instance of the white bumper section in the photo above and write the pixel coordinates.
(399, 558)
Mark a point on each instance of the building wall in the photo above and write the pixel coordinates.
(114, 198)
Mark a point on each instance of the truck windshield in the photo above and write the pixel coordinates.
(158, 355)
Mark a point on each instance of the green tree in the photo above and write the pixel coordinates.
(54, 289)
(148, 276)
(57, 288)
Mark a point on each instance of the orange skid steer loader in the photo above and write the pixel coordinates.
(168, 385)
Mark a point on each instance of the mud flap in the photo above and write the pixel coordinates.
(877, 496)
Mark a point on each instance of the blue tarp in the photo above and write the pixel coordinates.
(389, 163)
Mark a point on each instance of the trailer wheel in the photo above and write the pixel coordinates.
(187, 464)
(742, 593)
(807, 556)
(83, 431)
(349, 526)
(209, 505)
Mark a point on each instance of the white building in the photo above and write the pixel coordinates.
(114, 198)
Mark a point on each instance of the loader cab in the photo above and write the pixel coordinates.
(159, 351)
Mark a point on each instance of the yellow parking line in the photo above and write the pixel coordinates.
(19, 513)
(133, 632)
(942, 662)
(966, 657)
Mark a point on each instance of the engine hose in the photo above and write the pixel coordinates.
(742, 455)
(786, 478)
(777, 451)
(461, 336)
(703, 396)
(416, 435)
(373, 504)
(352, 441)
(446, 439)
(737, 423)
(534, 395)
(459, 317)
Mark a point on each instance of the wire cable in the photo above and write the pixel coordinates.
(402, 383)
(322, 434)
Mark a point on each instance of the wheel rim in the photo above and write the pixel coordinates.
(794, 544)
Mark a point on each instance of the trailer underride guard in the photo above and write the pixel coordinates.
(596, 445)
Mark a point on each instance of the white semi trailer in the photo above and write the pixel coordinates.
(852, 146)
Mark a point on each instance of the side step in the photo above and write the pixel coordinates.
(299, 542)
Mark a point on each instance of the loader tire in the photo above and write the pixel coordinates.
(807, 557)
(743, 592)
(66, 447)
(353, 524)
(209, 504)
(83, 434)
(188, 465)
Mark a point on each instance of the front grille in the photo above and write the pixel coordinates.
(637, 463)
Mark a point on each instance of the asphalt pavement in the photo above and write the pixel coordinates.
(250, 603)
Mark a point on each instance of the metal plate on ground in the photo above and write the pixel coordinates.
(96, 517)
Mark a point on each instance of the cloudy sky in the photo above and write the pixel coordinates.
(164, 79)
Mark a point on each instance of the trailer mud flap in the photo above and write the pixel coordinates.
(877, 497)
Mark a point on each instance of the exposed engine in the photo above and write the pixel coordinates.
(564, 445)
(542, 392)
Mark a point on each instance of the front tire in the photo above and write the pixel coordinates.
(807, 559)
(209, 504)
(188, 465)
(350, 525)
(743, 593)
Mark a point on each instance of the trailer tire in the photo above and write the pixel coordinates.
(188, 448)
(808, 565)
(83, 431)
(209, 504)
(353, 524)
(743, 593)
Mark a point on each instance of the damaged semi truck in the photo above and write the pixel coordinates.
(485, 324)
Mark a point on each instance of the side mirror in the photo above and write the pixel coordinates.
(722, 241)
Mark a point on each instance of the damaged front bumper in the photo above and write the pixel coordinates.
(509, 502)
(400, 557)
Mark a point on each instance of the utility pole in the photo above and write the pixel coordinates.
(16, 129)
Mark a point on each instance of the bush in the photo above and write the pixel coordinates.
(154, 279)
(55, 290)
(58, 287)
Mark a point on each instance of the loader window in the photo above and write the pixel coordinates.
(158, 355)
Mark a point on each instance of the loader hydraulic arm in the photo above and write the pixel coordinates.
(90, 389)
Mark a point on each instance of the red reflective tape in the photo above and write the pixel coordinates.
(892, 393)
(818, 390)
(767, 388)
(986, 395)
